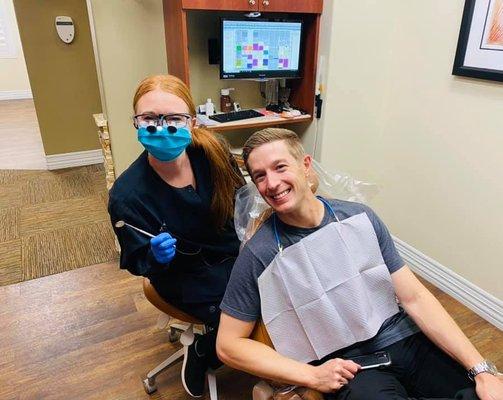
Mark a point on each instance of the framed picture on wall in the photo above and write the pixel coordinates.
(480, 44)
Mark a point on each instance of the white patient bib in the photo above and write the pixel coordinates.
(327, 291)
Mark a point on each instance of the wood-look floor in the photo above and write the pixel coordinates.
(90, 334)
(22, 146)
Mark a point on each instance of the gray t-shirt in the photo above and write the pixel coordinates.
(242, 297)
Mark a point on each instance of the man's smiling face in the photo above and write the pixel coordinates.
(280, 178)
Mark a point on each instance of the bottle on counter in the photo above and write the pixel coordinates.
(209, 107)
(225, 100)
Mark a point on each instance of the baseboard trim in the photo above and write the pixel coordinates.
(75, 159)
(479, 301)
(15, 94)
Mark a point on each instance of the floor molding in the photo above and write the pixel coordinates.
(75, 159)
(15, 94)
(476, 299)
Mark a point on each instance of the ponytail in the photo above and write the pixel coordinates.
(225, 178)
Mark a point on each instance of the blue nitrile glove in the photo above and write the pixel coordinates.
(163, 247)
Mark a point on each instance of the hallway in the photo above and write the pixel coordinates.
(21, 144)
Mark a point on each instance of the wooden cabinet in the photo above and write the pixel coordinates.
(223, 5)
(290, 6)
(309, 11)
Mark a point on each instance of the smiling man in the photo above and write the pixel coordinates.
(324, 276)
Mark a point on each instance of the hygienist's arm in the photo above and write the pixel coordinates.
(236, 349)
(437, 324)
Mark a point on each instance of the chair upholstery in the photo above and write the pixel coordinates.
(152, 296)
(260, 334)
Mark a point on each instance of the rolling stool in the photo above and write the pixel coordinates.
(186, 339)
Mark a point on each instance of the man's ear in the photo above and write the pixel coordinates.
(307, 162)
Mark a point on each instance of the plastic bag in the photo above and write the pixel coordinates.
(251, 210)
(342, 186)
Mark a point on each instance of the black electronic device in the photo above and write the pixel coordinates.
(236, 116)
(379, 359)
(277, 108)
(214, 51)
(260, 48)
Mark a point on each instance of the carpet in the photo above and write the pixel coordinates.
(53, 221)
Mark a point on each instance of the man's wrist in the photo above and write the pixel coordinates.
(310, 377)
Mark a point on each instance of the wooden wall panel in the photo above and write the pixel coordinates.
(175, 27)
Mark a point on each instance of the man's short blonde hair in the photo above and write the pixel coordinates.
(269, 135)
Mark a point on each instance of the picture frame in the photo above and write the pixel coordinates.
(479, 52)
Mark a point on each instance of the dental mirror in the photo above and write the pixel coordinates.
(121, 224)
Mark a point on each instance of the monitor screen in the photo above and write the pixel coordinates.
(260, 49)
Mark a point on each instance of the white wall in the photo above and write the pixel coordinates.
(395, 115)
(130, 41)
(13, 75)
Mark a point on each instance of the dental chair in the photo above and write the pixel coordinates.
(183, 332)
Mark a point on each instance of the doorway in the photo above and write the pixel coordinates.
(21, 143)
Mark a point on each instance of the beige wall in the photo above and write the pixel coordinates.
(62, 76)
(130, 43)
(13, 74)
(396, 116)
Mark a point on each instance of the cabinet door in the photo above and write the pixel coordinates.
(291, 6)
(229, 5)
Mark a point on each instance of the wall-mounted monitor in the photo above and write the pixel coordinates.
(259, 49)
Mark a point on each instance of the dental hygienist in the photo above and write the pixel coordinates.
(181, 191)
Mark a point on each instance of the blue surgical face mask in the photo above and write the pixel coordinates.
(164, 143)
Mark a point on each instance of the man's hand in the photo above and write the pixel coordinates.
(334, 374)
(489, 387)
(163, 247)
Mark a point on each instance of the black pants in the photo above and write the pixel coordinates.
(209, 314)
(419, 370)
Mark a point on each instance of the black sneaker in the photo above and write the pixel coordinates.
(194, 371)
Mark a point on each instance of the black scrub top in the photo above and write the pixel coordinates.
(141, 198)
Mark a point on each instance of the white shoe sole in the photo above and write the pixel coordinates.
(185, 353)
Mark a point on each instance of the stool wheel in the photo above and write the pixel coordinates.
(149, 386)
